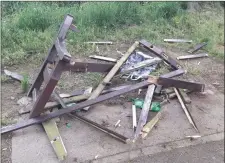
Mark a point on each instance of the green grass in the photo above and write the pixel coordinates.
(29, 28)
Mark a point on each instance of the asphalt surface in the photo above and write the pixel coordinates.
(212, 152)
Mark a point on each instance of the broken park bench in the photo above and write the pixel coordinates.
(59, 60)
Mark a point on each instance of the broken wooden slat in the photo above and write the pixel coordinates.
(134, 116)
(144, 112)
(148, 127)
(200, 55)
(177, 41)
(99, 42)
(53, 134)
(185, 109)
(103, 58)
(197, 47)
(112, 72)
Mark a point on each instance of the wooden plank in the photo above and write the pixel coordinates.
(200, 55)
(144, 112)
(53, 134)
(177, 41)
(148, 127)
(103, 58)
(185, 109)
(112, 72)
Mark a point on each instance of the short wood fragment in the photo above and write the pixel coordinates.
(103, 58)
(148, 127)
(200, 55)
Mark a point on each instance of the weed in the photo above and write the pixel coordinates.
(7, 121)
(25, 83)
(4, 78)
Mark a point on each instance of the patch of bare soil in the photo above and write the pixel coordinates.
(206, 70)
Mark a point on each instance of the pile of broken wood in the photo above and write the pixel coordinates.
(59, 60)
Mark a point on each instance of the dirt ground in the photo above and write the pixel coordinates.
(206, 70)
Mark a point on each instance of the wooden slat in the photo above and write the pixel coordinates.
(177, 41)
(112, 72)
(53, 134)
(103, 58)
(144, 112)
(185, 109)
(192, 56)
(148, 127)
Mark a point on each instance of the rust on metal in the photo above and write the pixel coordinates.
(168, 82)
(197, 47)
(160, 53)
(87, 66)
(42, 118)
(114, 134)
(42, 99)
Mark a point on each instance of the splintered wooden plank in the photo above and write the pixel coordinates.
(112, 72)
(53, 134)
(144, 112)
(148, 127)
(185, 109)
(192, 56)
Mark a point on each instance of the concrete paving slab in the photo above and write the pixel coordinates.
(84, 142)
